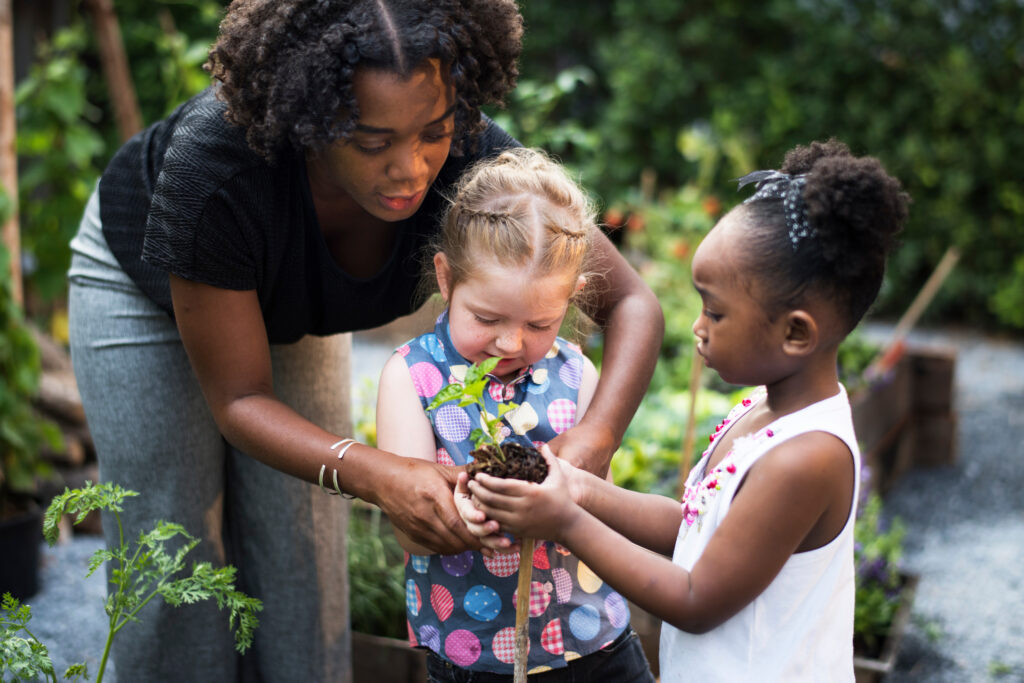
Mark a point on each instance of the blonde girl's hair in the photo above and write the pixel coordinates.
(520, 208)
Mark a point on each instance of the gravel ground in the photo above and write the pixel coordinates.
(965, 535)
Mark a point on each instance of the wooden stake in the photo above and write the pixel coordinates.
(523, 609)
(115, 67)
(690, 436)
(8, 148)
(892, 351)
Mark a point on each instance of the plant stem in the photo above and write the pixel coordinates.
(523, 609)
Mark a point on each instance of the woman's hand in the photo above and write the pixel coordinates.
(588, 446)
(527, 509)
(417, 496)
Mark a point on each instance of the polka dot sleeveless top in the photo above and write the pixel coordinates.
(463, 606)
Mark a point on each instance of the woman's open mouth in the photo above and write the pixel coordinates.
(401, 202)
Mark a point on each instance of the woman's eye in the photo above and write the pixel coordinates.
(436, 135)
(371, 147)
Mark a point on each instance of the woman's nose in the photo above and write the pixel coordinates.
(406, 165)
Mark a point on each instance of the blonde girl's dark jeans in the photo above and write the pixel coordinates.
(622, 661)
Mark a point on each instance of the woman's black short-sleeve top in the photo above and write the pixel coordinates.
(188, 196)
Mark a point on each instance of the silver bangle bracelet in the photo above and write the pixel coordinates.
(345, 445)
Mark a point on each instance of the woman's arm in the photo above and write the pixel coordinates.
(633, 327)
(780, 505)
(225, 337)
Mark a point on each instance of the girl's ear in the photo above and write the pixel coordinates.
(444, 274)
(802, 334)
(580, 284)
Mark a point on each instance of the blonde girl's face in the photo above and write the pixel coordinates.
(505, 311)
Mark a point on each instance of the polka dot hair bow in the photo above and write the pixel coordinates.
(790, 189)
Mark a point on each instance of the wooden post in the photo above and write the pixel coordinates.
(8, 149)
(115, 67)
(690, 437)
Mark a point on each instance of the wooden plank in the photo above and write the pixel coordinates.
(115, 67)
(8, 150)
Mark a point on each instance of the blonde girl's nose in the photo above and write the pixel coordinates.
(510, 341)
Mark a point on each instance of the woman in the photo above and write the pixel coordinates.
(224, 253)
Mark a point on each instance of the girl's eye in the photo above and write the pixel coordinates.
(484, 321)
(540, 328)
(713, 317)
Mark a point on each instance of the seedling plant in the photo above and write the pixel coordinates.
(510, 461)
(141, 573)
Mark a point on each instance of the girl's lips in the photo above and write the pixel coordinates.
(400, 202)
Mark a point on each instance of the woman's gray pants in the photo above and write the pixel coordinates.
(155, 434)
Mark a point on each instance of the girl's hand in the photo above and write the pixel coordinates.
(476, 521)
(526, 509)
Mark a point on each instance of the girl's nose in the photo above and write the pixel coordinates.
(510, 341)
(696, 328)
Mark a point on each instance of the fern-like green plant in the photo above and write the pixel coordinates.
(141, 573)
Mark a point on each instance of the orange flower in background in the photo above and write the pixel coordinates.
(681, 250)
(635, 222)
(614, 218)
(711, 205)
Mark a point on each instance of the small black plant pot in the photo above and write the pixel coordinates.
(20, 536)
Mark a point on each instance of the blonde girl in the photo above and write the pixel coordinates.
(514, 252)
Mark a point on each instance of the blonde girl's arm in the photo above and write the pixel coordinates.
(403, 427)
(795, 498)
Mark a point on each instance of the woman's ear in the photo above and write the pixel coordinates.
(444, 274)
(802, 334)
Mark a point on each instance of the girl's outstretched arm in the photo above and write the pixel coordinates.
(778, 510)
(633, 326)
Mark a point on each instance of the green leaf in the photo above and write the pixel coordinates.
(449, 393)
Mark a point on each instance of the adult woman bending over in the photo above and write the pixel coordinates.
(224, 252)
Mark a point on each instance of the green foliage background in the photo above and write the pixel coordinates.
(695, 92)
(932, 87)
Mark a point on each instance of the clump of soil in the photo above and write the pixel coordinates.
(521, 462)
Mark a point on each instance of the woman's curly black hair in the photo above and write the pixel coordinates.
(285, 67)
(855, 209)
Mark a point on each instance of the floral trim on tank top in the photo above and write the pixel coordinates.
(697, 497)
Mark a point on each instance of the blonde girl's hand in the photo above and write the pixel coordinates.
(527, 509)
(487, 530)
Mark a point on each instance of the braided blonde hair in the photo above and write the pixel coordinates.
(521, 209)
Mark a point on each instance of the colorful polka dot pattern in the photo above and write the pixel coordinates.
(463, 606)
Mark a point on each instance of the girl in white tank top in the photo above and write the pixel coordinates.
(752, 572)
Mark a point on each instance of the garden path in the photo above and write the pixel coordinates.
(965, 531)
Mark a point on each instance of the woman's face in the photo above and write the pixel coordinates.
(401, 141)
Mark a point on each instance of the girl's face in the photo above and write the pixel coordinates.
(734, 335)
(504, 311)
(400, 143)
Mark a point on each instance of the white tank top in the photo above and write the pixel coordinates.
(801, 627)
